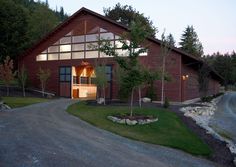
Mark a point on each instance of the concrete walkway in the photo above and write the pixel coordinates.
(44, 135)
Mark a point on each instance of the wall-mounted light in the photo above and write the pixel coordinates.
(185, 77)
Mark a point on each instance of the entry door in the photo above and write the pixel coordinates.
(65, 81)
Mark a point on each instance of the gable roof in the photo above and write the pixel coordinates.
(84, 10)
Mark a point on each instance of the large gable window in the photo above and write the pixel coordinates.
(83, 43)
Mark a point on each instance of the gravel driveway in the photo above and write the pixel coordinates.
(44, 135)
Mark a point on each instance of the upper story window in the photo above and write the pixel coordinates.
(81, 46)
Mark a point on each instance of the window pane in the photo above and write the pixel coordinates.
(56, 43)
(68, 77)
(118, 44)
(78, 55)
(65, 40)
(108, 77)
(53, 56)
(62, 70)
(62, 77)
(102, 30)
(104, 55)
(65, 48)
(107, 36)
(84, 80)
(53, 49)
(76, 47)
(92, 54)
(41, 57)
(92, 37)
(117, 37)
(93, 80)
(108, 69)
(68, 70)
(92, 46)
(65, 56)
(78, 39)
(122, 52)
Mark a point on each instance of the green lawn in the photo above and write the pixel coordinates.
(168, 131)
(15, 102)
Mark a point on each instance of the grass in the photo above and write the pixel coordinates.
(15, 102)
(167, 131)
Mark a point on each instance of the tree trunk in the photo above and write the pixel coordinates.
(131, 102)
(42, 89)
(7, 90)
(104, 95)
(140, 97)
(23, 88)
(163, 80)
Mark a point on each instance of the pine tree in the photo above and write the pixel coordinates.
(170, 39)
(190, 42)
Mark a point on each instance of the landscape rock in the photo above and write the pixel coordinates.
(130, 122)
(146, 100)
(100, 100)
(4, 107)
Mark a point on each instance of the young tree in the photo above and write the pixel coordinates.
(22, 77)
(6, 72)
(165, 52)
(132, 77)
(126, 14)
(101, 80)
(43, 76)
(190, 42)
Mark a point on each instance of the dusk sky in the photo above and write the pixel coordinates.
(213, 20)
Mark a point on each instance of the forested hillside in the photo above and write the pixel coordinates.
(23, 22)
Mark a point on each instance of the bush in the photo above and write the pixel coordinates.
(166, 103)
(210, 98)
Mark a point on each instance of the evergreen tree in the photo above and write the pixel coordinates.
(170, 39)
(190, 42)
(126, 14)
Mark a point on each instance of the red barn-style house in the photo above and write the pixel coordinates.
(67, 52)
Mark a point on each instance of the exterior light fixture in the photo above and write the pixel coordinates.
(185, 77)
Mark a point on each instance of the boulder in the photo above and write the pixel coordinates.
(100, 100)
(146, 100)
(131, 122)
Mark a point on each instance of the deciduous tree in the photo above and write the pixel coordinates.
(22, 77)
(126, 14)
(6, 72)
(43, 76)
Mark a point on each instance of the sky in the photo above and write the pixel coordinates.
(213, 20)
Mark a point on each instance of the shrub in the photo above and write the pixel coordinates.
(166, 103)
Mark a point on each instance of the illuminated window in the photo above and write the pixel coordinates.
(91, 54)
(53, 56)
(107, 36)
(41, 57)
(65, 48)
(53, 49)
(102, 54)
(78, 55)
(78, 39)
(123, 53)
(92, 46)
(102, 30)
(65, 40)
(118, 44)
(65, 56)
(92, 37)
(77, 47)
